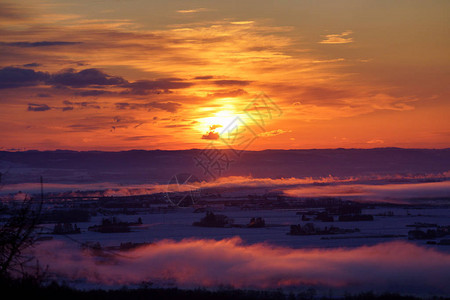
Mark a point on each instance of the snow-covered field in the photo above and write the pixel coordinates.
(177, 225)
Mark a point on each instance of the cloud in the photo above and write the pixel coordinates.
(375, 141)
(39, 44)
(323, 61)
(31, 65)
(212, 134)
(104, 123)
(398, 266)
(167, 106)
(326, 95)
(231, 82)
(191, 11)
(90, 93)
(340, 38)
(43, 95)
(242, 22)
(228, 93)
(82, 105)
(125, 105)
(68, 105)
(11, 12)
(38, 107)
(206, 77)
(318, 104)
(85, 78)
(83, 127)
(139, 137)
(385, 101)
(11, 77)
(177, 126)
(163, 85)
(214, 127)
(273, 133)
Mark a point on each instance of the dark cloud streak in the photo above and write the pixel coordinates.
(163, 85)
(204, 77)
(85, 78)
(38, 107)
(232, 82)
(39, 44)
(167, 106)
(32, 65)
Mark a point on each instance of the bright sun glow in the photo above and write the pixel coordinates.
(218, 120)
(221, 118)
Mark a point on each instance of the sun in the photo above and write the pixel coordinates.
(218, 118)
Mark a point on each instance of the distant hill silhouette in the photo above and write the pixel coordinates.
(140, 166)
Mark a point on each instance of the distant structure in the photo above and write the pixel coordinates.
(113, 225)
(213, 220)
(66, 228)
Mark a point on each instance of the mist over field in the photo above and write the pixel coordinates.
(393, 266)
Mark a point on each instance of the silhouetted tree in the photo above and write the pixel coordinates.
(17, 234)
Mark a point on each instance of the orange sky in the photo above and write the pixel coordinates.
(118, 75)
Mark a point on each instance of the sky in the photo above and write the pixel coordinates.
(119, 75)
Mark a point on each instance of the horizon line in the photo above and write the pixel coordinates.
(199, 149)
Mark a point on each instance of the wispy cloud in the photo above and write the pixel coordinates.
(375, 141)
(242, 22)
(191, 11)
(339, 38)
(273, 133)
(39, 44)
(167, 106)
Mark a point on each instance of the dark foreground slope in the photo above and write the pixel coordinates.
(138, 166)
(21, 290)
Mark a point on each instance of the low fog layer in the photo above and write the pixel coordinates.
(394, 266)
(390, 188)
